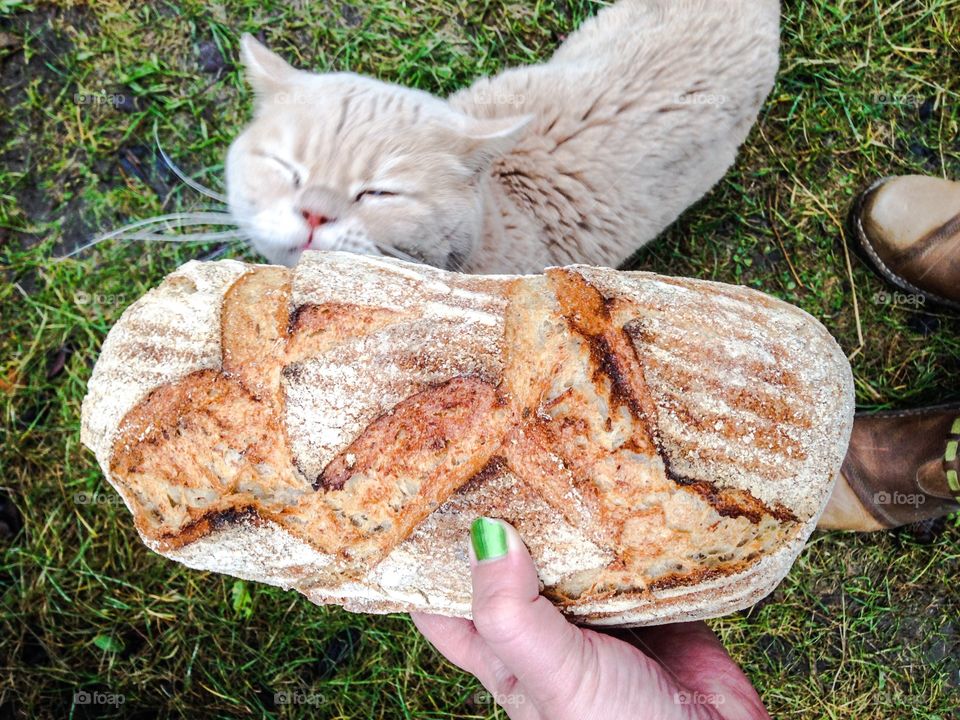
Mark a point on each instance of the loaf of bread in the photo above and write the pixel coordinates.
(664, 446)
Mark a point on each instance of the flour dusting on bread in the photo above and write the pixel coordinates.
(664, 446)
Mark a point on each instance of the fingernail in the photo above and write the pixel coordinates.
(489, 539)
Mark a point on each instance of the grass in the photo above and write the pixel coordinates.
(864, 627)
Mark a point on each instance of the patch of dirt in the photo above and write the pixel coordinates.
(22, 141)
(11, 522)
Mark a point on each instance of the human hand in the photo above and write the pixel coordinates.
(539, 666)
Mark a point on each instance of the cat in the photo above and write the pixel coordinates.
(582, 159)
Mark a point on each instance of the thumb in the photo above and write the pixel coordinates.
(522, 628)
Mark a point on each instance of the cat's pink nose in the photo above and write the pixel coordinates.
(314, 220)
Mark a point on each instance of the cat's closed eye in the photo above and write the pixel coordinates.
(374, 193)
(291, 170)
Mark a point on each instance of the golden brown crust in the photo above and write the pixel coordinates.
(405, 464)
(554, 389)
(195, 450)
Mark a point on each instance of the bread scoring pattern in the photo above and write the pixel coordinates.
(552, 387)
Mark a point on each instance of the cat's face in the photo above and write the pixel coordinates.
(343, 162)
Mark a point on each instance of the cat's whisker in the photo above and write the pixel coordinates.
(182, 219)
(226, 235)
(338, 244)
(186, 179)
(393, 252)
(214, 254)
(456, 262)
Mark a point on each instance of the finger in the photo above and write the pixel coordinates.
(521, 627)
(458, 641)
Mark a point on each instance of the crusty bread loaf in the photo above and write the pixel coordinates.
(664, 446)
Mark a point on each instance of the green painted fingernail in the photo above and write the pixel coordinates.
(489, 539)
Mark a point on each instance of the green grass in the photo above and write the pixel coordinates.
(864, 627)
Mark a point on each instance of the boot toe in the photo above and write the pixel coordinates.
(908, 227)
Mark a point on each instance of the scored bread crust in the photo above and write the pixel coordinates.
(664, 446)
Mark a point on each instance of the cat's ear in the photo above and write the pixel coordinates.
(490, 138)
(267, 72)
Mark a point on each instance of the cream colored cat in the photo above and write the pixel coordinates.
(582, 159)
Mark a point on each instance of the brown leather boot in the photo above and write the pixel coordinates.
(903, 465)
(908, 229)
